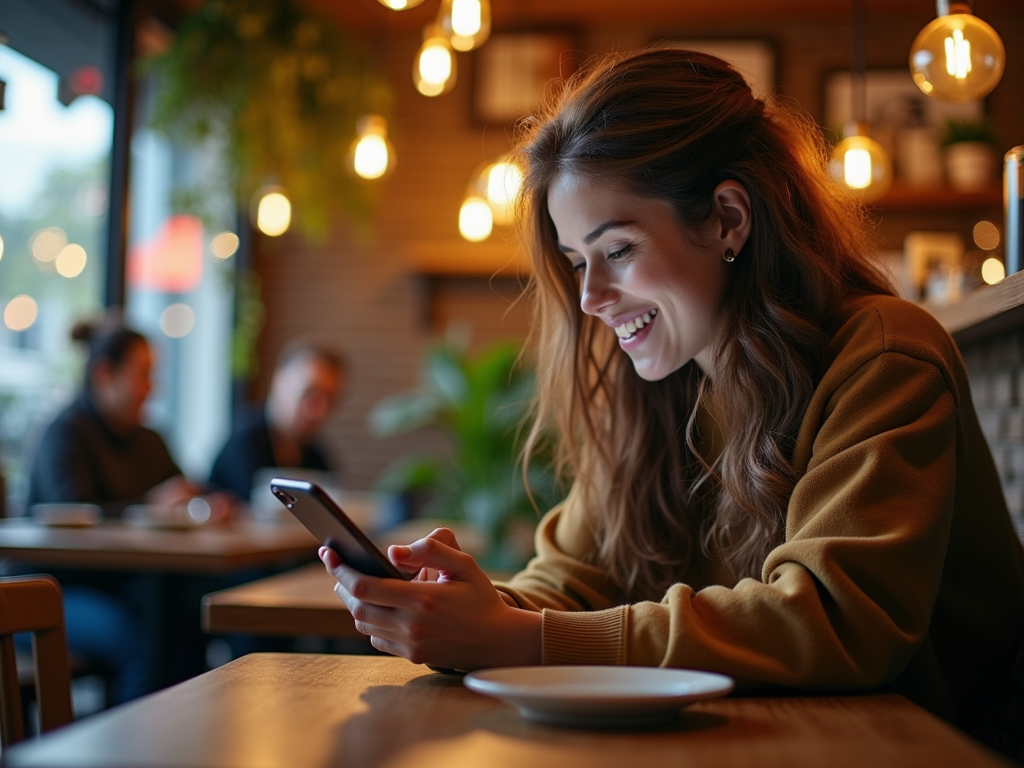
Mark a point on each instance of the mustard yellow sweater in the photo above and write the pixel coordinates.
(900, 567)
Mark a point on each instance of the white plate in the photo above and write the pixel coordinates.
(67, 515)
(167, 517)
(599, 697)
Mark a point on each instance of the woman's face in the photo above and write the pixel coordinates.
(639, 273)
(120, 391)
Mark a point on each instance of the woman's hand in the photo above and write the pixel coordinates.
(448, 615)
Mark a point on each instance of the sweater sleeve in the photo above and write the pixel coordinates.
(844, 602)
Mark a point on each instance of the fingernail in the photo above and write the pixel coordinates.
(400, 551)
(321, 552)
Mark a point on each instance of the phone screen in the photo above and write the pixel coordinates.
(332, 527)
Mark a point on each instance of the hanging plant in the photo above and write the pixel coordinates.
(284, 88)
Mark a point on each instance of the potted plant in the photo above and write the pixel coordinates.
(970, 153)
(480, 402)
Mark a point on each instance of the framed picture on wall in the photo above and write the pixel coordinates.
(754, 59)
(512, 69)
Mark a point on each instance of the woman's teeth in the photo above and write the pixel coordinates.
(626, 330)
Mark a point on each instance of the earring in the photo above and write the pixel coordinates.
(729, 255)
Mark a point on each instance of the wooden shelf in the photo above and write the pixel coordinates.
(486, 259)
(984, 311)
(902, 197)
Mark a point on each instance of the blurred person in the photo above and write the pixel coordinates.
(98, 451)
(307, 383)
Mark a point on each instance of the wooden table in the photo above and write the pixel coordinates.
(317, 711)
(298, 602)
(115, 546)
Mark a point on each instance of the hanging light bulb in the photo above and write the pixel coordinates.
(475, 219)
(499, 184)
(466, 23)
(400, 5)
(861, 164)
(957, 57)
(371, 155)
(271, 211)
(434, 69)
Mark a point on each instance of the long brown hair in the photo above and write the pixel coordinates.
(673, 124)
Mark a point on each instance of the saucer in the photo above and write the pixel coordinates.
(599, 696)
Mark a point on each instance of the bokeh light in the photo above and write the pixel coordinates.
(46, 243)
(71, 260)
(273, 213)
(21, 312)
(199, 509)
(475, 219)
(1, 246)
(992, 271)
(177, 320)
(224, 245)
(986, 235)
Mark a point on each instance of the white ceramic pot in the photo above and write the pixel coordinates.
(970, 166)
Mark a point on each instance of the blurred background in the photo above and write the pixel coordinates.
(139, 138)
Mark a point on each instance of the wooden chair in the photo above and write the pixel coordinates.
(33, 604)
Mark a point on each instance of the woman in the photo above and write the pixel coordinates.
(98, 451)
(777, 470)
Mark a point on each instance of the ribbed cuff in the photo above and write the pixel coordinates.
(584, 637)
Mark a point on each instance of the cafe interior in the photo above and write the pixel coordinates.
(232, 178)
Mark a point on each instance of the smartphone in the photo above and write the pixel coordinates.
(332, 527)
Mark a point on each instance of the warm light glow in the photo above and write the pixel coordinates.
(71, 260)
(171, 259)
(370, 154)
(434, 71)
(957, 58)
(862, 165)
(273, 213)
(986, 235)
(502, 183)
(857, 168)
(45, 244)
(475, 219)
(400, 5)
(992, 271)
(224, 245)
(958, 55)
(466, 23)
(20, 313)
(177, 320)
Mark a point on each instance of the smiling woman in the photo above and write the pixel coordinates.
(778, 474)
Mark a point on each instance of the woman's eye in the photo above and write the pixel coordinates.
(620, 253)
(578, 267)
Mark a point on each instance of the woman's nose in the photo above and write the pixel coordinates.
(598, 292)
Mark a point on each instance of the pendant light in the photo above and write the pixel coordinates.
(957, 57)
(466, 23)
(433, 71)
(400, 5)
(271, 210)
(371, 155)
(859, 161)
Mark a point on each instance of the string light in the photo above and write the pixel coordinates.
(371, 155)
(475, 219)
(957, 57)
(434, 71)
(273, 211)
(466, 23)
(400, 5)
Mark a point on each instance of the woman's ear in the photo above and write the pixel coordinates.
(732, 212)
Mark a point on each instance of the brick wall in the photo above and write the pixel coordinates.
(996, 370)
(362, 292)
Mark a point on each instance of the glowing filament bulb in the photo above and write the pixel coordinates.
(434, 69)
(475, 219)
(467, 17)
(857, 168)
(958, 55)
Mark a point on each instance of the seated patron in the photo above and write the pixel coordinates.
(97, 451)
(281, 432)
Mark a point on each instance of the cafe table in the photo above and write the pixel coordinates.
(114, 545)
(324, 711)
